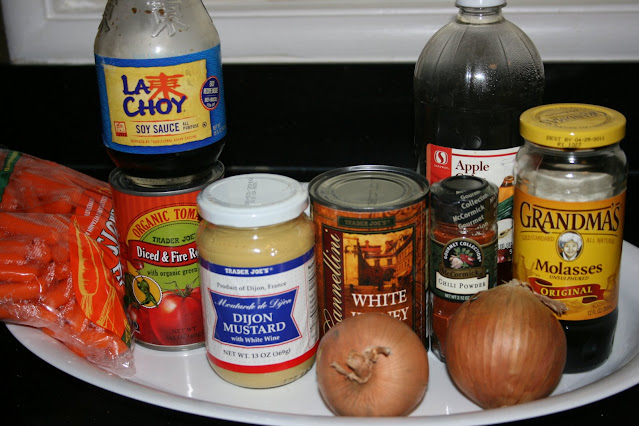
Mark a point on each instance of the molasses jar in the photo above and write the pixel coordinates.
(570, 188)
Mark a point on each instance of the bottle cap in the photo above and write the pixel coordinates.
(464, 201)
(572, 126)
(480, 3)
(252, 200)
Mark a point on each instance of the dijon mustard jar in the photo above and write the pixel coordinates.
(570, 197)
(257, 265)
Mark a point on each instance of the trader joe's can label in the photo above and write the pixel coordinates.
(370, 224)
(160, 261)
(571, 251)
(257, 318)
(160, 106)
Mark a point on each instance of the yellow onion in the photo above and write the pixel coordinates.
(372, 365)
(506, 346)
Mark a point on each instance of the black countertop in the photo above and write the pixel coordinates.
(295, 120)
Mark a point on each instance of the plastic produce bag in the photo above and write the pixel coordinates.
(59, 259)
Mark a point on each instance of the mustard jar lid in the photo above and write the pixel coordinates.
(252, 200)
(572, 126)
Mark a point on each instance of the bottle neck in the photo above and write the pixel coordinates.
(480, 15)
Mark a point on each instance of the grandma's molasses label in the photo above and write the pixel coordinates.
(160, 106)
(570, 251)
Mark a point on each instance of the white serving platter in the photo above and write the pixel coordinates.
(185, 382)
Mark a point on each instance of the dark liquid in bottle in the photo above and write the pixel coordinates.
(478, 129)
(589, 342)
(183, 166)
(505, 271)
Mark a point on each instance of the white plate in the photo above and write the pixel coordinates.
(185, 382)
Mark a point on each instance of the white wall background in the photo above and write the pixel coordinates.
(334, 31)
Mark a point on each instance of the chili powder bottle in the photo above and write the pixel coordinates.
(159, 74)
(463, 248)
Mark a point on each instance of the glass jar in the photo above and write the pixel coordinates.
(463, 248)
(257, 270)
(570, 186)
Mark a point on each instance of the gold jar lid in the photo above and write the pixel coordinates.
(573, 126)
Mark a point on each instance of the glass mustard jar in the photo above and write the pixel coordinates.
(570, 188)
(257, 270)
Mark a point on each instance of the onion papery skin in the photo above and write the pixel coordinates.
(505, 347)
(398, 382)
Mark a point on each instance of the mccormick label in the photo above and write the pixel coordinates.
(571, 251)
(371, 262)
(461, 268)
(260, 320)
(160, 106)
(496, 166)
(160, 262)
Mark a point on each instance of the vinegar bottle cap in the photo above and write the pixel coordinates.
(480, 3)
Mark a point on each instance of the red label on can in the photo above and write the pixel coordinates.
(160, 262)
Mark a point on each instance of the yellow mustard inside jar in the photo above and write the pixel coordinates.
(257, 271)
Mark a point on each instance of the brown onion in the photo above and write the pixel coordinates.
(505, 346)
(372, 365)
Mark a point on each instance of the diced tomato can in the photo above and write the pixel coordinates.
(371, 251)
(157, 227)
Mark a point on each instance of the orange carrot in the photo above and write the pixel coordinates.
(58, 294)
(30, 179)
(59, 206)
(8, 312)
(13, 291)
(11, 199)
(73, 317)
(38, 252)
(12, 259)
(18, 273)
(20, 250)
(21, 224)
(47, 316)
(16, 243)
(60, 253)
(61, 272)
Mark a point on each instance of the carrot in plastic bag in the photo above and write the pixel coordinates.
(61, 272)
(66, 283)
(30, 184)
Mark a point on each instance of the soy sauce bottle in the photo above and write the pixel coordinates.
(161, 91)
(472, 81)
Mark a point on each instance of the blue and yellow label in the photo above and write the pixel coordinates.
(159, 106)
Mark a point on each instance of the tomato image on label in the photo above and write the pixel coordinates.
(177, 320)
(161, 272)
(142, 326)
